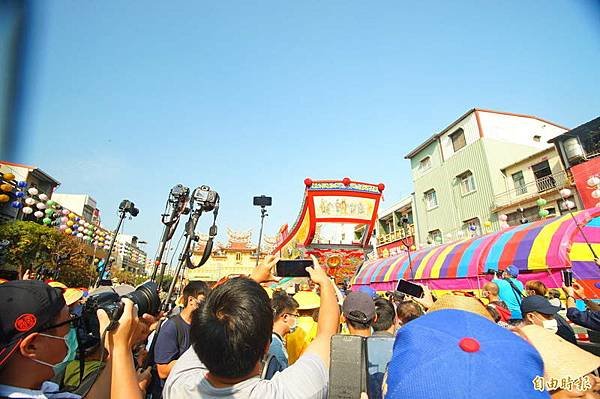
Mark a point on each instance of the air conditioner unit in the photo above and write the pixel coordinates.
(573, 150)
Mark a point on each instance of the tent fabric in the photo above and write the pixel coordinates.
(542, 246)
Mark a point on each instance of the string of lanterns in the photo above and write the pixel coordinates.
(594, 184)
(31, 201)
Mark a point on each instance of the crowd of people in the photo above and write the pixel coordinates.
(240, 340)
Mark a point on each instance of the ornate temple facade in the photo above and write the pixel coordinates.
(236, 257)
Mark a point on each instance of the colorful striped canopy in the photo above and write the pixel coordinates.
(544, 246)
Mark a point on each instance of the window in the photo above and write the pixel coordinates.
(537, 138)
(472, 227)
(425, 164)
(431, 199)
(467, 183)
(458, 139)
(519, 182)
(238, 257)
(435, 237)
(543, 176)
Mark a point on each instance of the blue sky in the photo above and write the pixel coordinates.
(127, 99)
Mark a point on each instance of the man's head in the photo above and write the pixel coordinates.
(194, 293)
(33, 326)
(285, 312)
(359, 312)
(536, 287)
(386, 315)
(490, 291)
(511, 271)
(539, 311)
(231, 331)
(407, 311)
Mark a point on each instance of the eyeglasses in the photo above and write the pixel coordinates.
(71, 320)
(292, 314)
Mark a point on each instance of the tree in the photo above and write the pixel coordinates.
(33, 246)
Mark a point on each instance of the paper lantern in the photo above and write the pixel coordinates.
(568, 204)
(33, 191)
(65, 212)
(4, 198)
(413, 248)
(541, 202)
(40, 205)
(47, 220)
(8, 176)
(565, 192)
(438, 239)
(29, 201)
(504, 225)
(70, 223)
(593, 181)
(77, 218)
(19, 194)
(6, 187)
(22, 184)
(72, 215)
(346, 181)
(68, 231)
(64, 219)
(503, 218)
(596, 193)
(27, 210)
(79, 235)
(62, 226)
(16, 204)
(543, 213)
(50, 203)
(487, 223)
(43, 197)
(472, 227)
(449, 236)
(38, 214)
(80, 228)
(308, 182)
(49, 211)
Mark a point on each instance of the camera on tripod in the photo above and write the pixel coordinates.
(128, 206)
(207, 198)
(145, 297)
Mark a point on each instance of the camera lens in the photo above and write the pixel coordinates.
(146, 298)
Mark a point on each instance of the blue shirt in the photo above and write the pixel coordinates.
(277, 349)
(510, 297)
(588, 319)
(167, 346)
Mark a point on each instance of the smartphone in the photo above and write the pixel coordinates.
(347, 371)
(409, 288)
(567, 276)
(293, 267)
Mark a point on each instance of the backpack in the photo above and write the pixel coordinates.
(155, 387)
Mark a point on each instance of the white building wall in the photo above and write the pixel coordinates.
(469, 126)
(518, 129)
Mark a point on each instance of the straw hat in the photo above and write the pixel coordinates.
(307, 300)
(561, 358)
(57, 284)
(461, 302)
(72, 295)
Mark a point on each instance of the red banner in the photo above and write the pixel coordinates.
(581, 174)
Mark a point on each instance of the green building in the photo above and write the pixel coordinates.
(458, 172)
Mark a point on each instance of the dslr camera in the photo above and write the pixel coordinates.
(206, 197)
(145, 297)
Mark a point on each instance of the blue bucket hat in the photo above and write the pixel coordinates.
(512, 270)
(456, 354)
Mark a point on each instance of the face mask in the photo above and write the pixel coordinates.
(294, 326)
(72, 345)
(550, 325)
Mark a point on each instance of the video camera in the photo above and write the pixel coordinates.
(128, 206)
(206, 197)
(145, 297)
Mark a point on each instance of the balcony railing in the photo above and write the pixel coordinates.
(531, 190)
(396, 235)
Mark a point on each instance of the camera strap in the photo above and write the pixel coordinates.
(518, 294)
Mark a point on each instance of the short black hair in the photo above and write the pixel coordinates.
(232, 328)
(356, 324)
(385, 314)
(194, 288)
(283, 303)
(407, 311)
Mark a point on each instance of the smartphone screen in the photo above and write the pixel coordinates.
(409, 288)
(293, 267)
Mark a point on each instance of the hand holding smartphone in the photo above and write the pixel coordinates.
(412, 289)
(293, 267)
